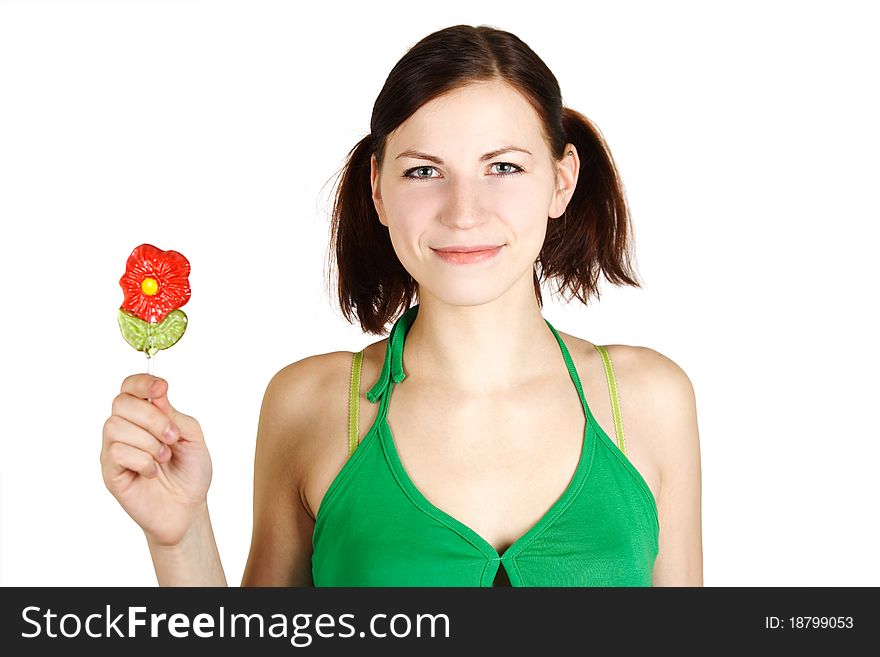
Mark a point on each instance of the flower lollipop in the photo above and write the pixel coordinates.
(156, 285)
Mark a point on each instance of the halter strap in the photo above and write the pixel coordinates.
(392, 369)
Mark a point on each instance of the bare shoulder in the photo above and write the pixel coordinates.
(664, 390)
(307, 375)
(310, 399)
(297, 387)
(657, 375)
(297, 395)
(656, 400)
(655, 385)
(300, 433)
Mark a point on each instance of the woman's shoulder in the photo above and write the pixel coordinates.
(657, 375)
(655, 384)
(306, 393)
(641, 366)
(656, 394)
(307, 402)
(313, 373)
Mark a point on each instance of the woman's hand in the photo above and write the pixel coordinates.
(161, 479)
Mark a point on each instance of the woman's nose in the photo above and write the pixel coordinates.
(464, 203)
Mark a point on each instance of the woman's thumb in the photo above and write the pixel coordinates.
(187, 425)
(159, 397)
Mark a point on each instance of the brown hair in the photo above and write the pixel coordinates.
(591, 237)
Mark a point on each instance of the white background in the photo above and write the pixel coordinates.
(746, 136)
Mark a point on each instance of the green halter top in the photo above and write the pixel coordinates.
(375, 528)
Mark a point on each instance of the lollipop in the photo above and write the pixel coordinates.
(156, 285)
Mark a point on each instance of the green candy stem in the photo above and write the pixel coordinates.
(151, 338)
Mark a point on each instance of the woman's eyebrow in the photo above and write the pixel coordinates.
(485, 156)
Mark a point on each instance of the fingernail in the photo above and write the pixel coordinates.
(163, 452)
(170, 432)
(154, 386)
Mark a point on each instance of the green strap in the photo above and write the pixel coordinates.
(354, 394)
(615, 402)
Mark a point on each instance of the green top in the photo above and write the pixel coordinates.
(375, 528)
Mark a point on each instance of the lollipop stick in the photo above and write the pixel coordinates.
(149, 358)
(150, 372)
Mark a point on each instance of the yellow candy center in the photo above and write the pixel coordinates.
(150, 286)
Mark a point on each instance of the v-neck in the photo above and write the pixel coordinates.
(392, 372)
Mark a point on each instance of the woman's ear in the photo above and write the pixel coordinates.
(567, 170)
(377, 195)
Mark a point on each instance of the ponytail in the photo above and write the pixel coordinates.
(593, 235)
(372, 283)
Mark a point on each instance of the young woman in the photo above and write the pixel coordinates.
(479, 446)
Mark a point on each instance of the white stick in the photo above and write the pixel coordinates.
(150, 360)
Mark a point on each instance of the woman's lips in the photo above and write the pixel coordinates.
(467, 257)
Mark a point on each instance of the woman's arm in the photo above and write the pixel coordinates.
(669, 399)
(281, 542)
(193, 562)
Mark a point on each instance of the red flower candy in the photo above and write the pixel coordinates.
(155, 283)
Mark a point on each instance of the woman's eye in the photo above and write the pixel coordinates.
(519, 169)
(419, 170)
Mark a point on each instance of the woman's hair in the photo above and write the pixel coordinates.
(591, 237)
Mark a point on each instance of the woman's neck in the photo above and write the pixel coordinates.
(481, 349)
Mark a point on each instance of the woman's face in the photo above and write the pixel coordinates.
(471, 168)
